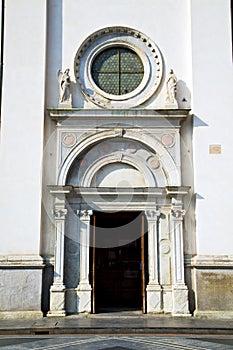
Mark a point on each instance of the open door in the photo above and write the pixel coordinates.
(93, 263)
(118, 272)
(143, 283)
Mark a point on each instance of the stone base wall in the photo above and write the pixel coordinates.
(21, 286)
(212, 281)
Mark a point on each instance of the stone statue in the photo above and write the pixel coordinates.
(64, 84)
(171, 88)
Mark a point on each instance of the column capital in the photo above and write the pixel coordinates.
(178, 213)
(84, 214)
(59, 213)
(152, 215)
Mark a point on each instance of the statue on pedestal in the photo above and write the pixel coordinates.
(64, 85)
(171, 90)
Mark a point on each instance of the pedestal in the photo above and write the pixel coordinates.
(57, 301)
(154, 298)
(84, 298)
(180, 301)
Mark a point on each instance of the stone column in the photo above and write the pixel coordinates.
(57, 290)
(84, 287)
(179, 289)
(153, 288)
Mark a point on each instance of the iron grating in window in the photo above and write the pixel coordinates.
(117, 70)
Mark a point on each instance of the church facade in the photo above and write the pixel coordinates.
(116, 158)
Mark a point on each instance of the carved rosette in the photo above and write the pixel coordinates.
(168, 140)
(165, 246)
(69, 139)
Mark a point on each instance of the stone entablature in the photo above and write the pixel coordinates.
(158, 131)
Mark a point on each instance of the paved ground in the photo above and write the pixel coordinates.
(116, 332)
(113, 325)
(116, 343)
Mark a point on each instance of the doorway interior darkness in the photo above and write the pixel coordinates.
(119, 271)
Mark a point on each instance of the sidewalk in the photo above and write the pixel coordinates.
(112, 324)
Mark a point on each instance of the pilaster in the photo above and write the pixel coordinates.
(57, 290)
(179, 288)
(84, 287)
(154, 291)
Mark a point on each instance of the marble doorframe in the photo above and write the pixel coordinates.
(163, 208)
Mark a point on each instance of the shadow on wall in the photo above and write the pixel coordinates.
(47, 280)
(183, 95)
(78, 99)
(71, 272)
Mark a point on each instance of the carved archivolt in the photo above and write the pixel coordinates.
(140, 152)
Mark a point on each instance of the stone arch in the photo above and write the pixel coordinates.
(169, 175)
(111, 159)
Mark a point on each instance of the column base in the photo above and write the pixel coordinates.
(180, 301)
(56, 313)
(57, 300)
(84, 298)
(154, 298)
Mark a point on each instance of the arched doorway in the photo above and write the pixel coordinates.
(118, 261)
(113, 169)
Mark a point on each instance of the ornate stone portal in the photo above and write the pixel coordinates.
(129, 168)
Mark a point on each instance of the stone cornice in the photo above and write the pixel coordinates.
(35, 261)
(106, 191)
(209, 261)
(60, 114)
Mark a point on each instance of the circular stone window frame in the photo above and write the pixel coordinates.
(123, 37)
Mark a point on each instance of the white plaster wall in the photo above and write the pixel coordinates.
(213, 105)
(171, 24)
(166, 22)
(22, 126)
